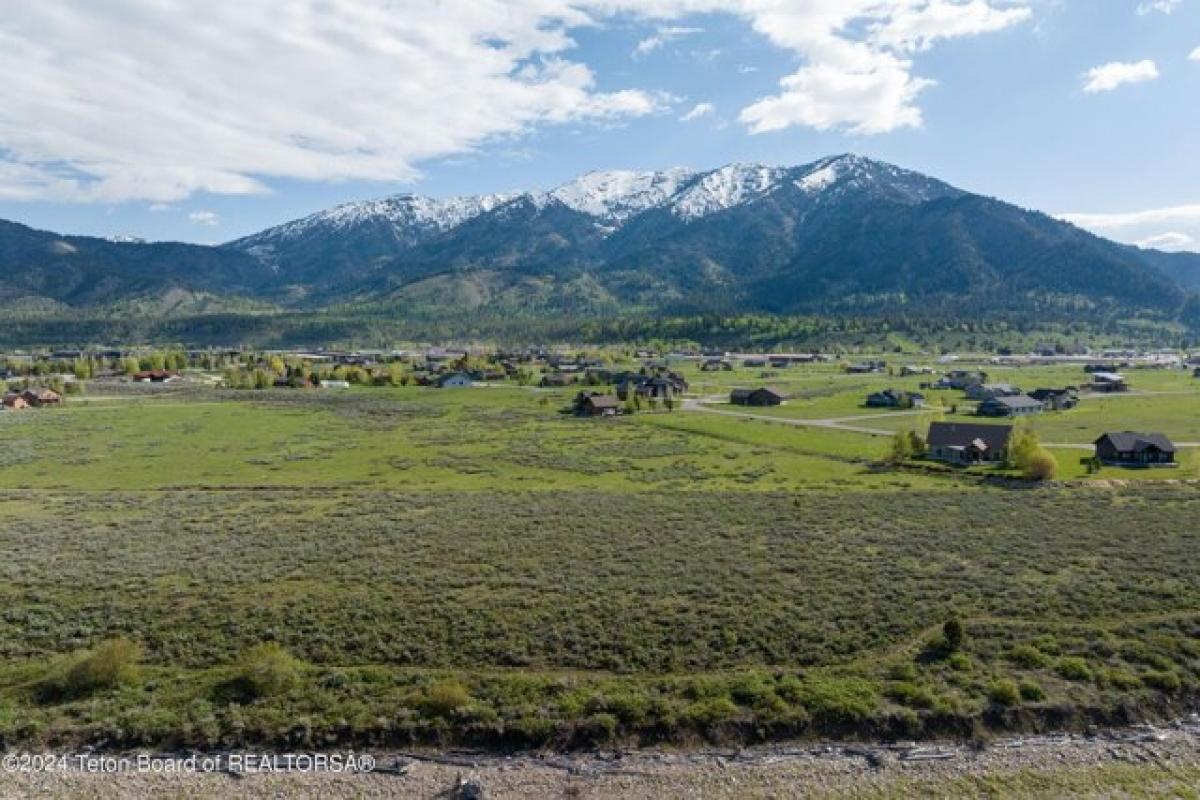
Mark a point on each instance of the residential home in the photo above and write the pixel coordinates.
(1108, 382)
(597, 405)
(909, 369)
(960, 379)
(335, 384)
(558, 379)
(965, 443)
(763, 396)
(156, 376)
(754, 363)
(15, 402)
(894, 398)
(1196, 372)
(41, 397)
(1132, 449)
(986, 391)
(1018, 406)
(716, 365)
(1056, 399)
(453, 380)
(865, 367)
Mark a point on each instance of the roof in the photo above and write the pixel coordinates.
(772, 390)
(1134, 442)
(1107, 377)
(603, 401)
(1015, 402)
(963, 434)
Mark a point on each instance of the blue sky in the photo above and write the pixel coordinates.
(170, 121)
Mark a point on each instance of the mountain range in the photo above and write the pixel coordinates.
(844, 234)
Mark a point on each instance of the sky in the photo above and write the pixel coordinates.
(203, 122)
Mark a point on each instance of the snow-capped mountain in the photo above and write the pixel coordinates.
(841, 234)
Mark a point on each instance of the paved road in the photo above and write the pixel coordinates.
(834, 423)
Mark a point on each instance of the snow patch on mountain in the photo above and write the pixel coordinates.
(725, 188)
(617, 195)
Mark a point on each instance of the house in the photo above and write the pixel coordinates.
(335, 384)
(1196, 372)
(763, 396)
(894, 398)
(716, 365)
(1018, 406)
(551, 379)
(41, 397)
(960, 379)
(986, 391)
(864, 367)
(155, 376)
(15, 402)
(453, 380)
(909, 369)
(597, 405)
(780, 363)
(1130, 449)
(968, 443)
(662, 385)
(1108, 382)
(1056, 399)
(754, 363)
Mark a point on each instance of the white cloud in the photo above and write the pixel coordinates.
(156, 100)
(1172, 241)
(661, 37)
(1109, 76)
(699, 110)
(1172, 228)
(1195, 56)
(208, 218)
(1163, 6)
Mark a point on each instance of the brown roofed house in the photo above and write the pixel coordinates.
(968, 443)
(15, 402)
(41, 397)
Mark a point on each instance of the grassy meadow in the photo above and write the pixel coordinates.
(396, 565)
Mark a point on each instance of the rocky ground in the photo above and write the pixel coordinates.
(1140, 762)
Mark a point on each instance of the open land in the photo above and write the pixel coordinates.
(471, 567)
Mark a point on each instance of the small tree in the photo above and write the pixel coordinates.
(900, 449)
(1041, 466)
(953, 634)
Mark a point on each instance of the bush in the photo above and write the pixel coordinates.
(1031, 691)
(266, 670)
(954, 634)
(1163, 681)
(444, 698)
(1004, 693)
(111, 664)
(1041, 466)
(1028, 656)
(1073, 669)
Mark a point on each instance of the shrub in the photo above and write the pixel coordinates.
(1004, 693)
(266, 670)
(1028, 656)
(444, 698)
(1163, 681)
(110, 664)
(1073, 669)
(1031, 691)
(960, 662)
(1040, 466)
(1120, 679)
(953, 633)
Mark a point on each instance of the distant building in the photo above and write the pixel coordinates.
(453, 380)
(763, 396)
(555, 379)
(41, 397)
(986, 391)
(1131, 449)
(968, 443)
(960, 379)
(1018, 406)
(15, 402)
(156, 376)
(597, 405)
(1108, 382)
(864, 367)
(1056, 399)
(894, 398)
(716, 365)
(754, 362)
(335, 384)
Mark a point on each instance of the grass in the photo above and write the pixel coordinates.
(403, 565)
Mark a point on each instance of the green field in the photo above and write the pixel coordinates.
(474, 566)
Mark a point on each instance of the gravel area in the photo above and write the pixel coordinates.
(1165, 758)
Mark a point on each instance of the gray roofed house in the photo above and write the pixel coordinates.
(1018, 406)
(968, 442)
(764, 396)
(1133, 449)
